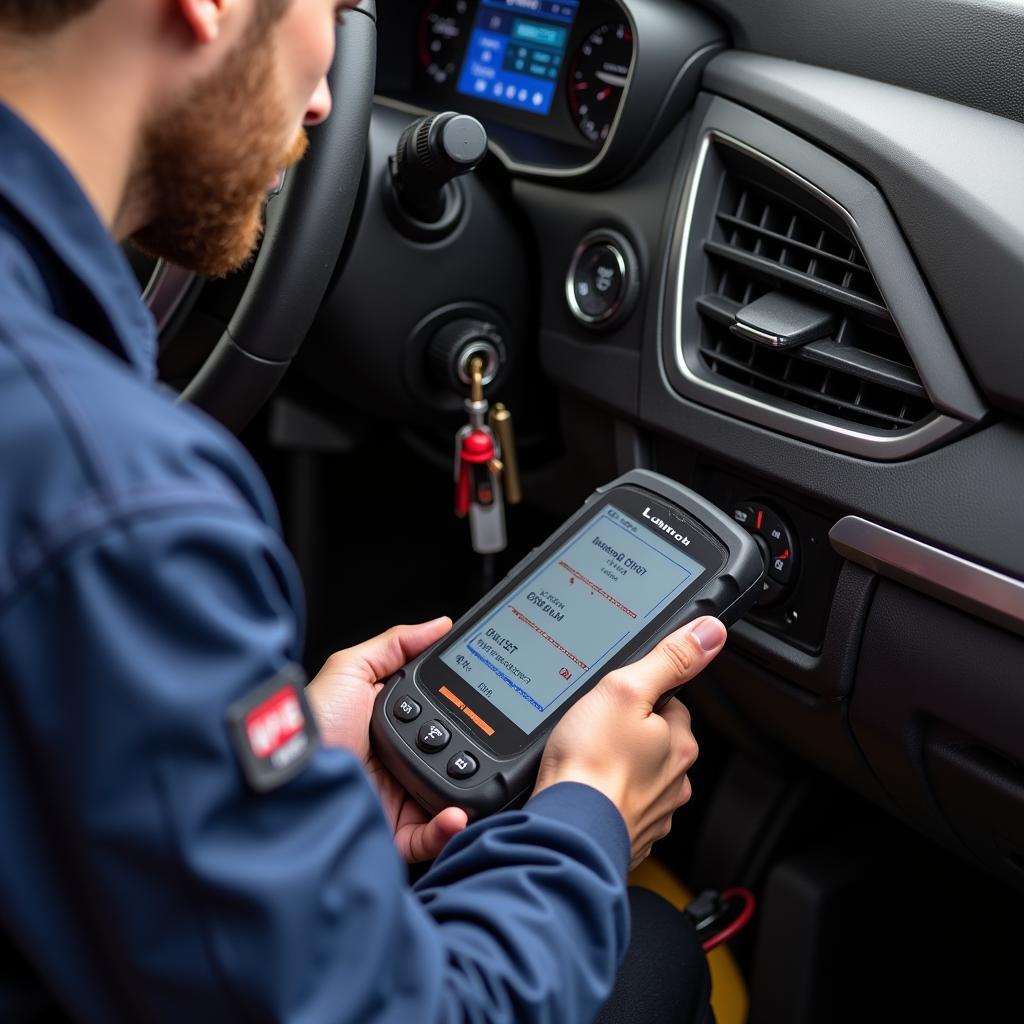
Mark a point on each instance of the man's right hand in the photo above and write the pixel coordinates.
(614, 740)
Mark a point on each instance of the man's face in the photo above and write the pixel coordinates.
(206, 164)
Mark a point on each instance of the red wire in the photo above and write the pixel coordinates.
(742, 919)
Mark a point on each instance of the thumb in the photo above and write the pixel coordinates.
(425, 841)
(676, 660)
(387, 653)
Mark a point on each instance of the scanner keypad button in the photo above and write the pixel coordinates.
(463, 765)
(406, 709)
(433, 737)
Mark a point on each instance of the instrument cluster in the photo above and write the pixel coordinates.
(552, 70)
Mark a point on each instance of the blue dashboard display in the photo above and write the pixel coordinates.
(515, 52)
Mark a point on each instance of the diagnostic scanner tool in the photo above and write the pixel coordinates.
(465, 723)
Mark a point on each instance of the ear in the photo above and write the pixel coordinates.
(204, 17)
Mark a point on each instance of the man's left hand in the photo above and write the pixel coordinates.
(342, 696)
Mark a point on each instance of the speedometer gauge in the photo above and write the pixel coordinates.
(597, 78)
(442, 28)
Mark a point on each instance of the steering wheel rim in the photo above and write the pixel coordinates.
(306, 224)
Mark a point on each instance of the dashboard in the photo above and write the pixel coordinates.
(544, 67)
(758, 177)
(516, 55)
(555, 82)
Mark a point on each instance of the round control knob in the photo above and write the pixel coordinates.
(770, 590)
(431, 152)
(455, 344)
(762, 546)
(603, 281)
(777, 545)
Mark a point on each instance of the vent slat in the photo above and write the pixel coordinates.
(816, 397)
(720, 308)
(863, 365)
(763, 239)
(791, 242)
(768, 235)
(813, 284)
(829, 352)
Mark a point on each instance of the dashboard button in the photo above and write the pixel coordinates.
(773, 530)
(433, 737)
(406, 709)
(773, 538)
(598, 280)
(744, 515)
(780, 548)
(603, 279)
(463, 765)
(780, 565)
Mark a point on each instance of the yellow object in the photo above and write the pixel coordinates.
(501, 424)
(729, 997)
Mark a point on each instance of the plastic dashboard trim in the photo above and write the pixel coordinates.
(958, 582)
(947, 384)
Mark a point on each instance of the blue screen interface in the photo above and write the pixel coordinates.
(516, 51)
(598, 591)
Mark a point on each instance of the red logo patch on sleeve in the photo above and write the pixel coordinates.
(270, 726)
(273, 730)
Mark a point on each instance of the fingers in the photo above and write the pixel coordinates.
(677, 659)
(661, 824)
(681, 739)
(385, 654)
(677, 715)
(425, 841)
(685, 791)
(640, 857)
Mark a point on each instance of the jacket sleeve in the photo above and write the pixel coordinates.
(148, 882)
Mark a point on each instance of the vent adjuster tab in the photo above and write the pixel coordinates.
(783, 321)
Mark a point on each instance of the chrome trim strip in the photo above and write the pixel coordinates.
(964, 584)
(749, 333)
(895, 445)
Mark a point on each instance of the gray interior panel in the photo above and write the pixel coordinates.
(970, 51)
(936, 708)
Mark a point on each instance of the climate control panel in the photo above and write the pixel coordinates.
(801, 568)
(777, 544)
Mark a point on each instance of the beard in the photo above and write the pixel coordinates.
(205, 166)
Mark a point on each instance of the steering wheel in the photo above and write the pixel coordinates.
(306, 225)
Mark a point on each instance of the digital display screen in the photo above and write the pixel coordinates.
(515, 52)
(608, 581)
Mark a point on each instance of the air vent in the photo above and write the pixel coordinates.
(770, 235)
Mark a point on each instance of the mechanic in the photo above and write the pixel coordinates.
(146, 596)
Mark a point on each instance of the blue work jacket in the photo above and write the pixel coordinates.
(144, 590)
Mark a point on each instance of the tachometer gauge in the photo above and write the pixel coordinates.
(442, 28)
(597, 78)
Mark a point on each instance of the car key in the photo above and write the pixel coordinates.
(478, 471)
